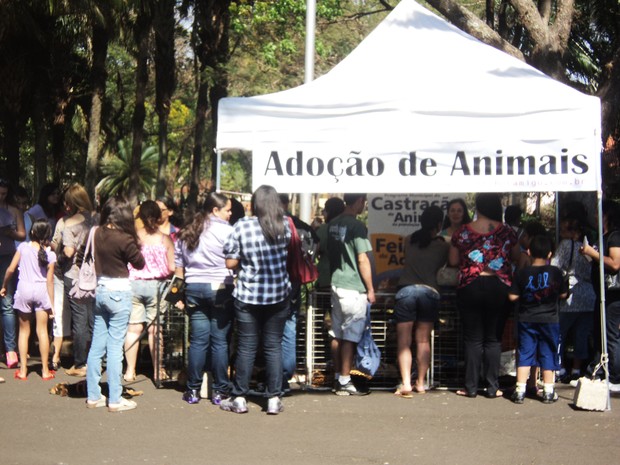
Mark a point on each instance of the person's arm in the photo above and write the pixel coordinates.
(50, 286)
(611, 262)
(10, 271)
(363, 264)
(453, 256)
(232, 263)
(169, 254)
(20, 231)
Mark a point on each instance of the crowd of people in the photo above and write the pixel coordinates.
(236, 281)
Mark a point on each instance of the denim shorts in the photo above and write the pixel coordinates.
(348, 314)
(146, 293)
(417, 302)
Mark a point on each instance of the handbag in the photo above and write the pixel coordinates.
(300, 266)
(86, 283)
(367, 355)
(447, 276)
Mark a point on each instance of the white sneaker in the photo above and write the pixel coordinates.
(123, 405)
(614, 387)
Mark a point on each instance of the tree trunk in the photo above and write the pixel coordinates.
(10, 148)
(40, 142)
(202, 107)
(465, 20)
(98, 78)
(142, 30)
(165, 81)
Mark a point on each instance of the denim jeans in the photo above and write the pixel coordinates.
(254, 322)
(6, 307)
(211, 314)
(81, 324)
(289, 337)
(112, 309)
(612, 314)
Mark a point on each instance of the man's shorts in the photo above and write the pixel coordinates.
(348, 314)
(538, 345)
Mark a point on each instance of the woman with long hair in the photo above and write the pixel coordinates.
(457, 215)
(417, 300)
(484, 250)
(199, 257)
(257, 249)
(148, 286)
(11, 230)
(115, 244)
(77, 224)
(167, 207)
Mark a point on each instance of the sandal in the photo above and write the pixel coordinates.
(18, 376)
(55, 365)
(493, 395)
(417, 390)
(463, 393)
(129, 379)
(51, 375)
(404, 394)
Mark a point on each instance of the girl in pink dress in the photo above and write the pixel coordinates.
(34, 295)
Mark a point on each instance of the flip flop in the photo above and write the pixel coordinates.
(403, 394)
(18, 376)
(52, 375)
(418, 391)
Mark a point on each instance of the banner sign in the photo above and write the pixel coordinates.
(469, 167)
(391, 217)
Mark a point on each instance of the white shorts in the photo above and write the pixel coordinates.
(348, 314)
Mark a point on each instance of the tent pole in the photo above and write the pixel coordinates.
(604, 362)
(218, 175)
(305, 200)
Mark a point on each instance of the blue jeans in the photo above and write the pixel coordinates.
(112, 309)
(211, 314)
(254, 321)
(612, 313)
(6, 307)
(81, 324)
(289, 337)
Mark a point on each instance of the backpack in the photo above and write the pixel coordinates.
(301, 252)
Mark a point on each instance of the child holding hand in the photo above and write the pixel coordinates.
(538, 288)
(34, 295)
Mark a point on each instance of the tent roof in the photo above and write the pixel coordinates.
(415, 81)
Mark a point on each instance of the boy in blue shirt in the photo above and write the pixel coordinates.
(538, 288)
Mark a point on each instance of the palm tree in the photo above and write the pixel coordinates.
(118, 171)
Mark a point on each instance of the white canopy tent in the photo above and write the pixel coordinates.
(420, 106)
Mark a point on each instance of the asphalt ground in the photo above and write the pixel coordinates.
(316, 428)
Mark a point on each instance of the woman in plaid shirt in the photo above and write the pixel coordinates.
(257, 249)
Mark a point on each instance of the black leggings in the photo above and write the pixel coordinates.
(483, 311)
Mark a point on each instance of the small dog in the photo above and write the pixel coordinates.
(78, 390)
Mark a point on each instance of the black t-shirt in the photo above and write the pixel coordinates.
(539, 289)
(611, 239)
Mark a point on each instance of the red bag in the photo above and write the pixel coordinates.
(300, 266)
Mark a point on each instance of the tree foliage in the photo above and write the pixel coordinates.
(77, 78)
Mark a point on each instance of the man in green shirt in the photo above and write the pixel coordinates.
(351, 277)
